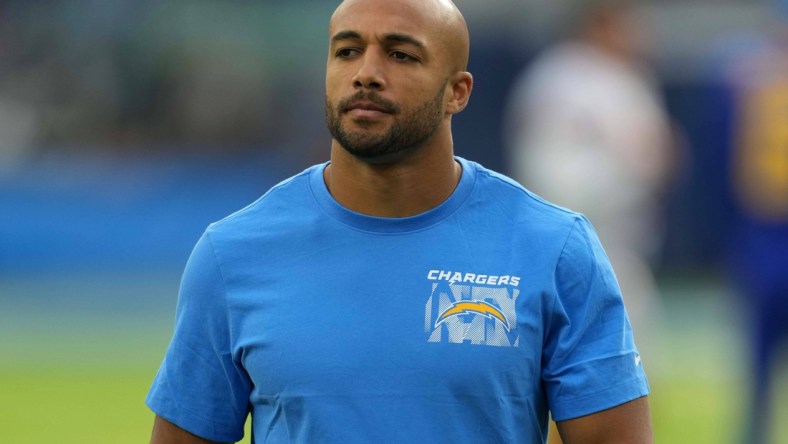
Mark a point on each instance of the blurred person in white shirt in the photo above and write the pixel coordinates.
(587, 130)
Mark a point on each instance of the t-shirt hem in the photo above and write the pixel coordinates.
(190, 422)
(590, 404)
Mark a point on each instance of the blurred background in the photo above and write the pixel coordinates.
(127, 126)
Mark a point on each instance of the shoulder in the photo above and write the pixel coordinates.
(517, 201)
(281, 203)
(501, 210)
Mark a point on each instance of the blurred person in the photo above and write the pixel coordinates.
(587, 130)
(398, 293)
(20, 120)
(19, 123)
(754, 74)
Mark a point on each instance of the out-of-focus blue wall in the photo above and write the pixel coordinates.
(81, 213)
(127, 126)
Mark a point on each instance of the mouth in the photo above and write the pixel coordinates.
(365, 106)
(367, 111)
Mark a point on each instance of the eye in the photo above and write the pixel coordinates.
(402, 56)
(344, 53)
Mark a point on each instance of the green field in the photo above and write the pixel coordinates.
(76, 370)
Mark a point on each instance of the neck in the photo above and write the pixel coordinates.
(406, 187)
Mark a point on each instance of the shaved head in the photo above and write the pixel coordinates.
(444, 21)
(395, 74)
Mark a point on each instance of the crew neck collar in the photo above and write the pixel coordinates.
(392, 224)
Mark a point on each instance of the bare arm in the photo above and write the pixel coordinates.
(628, 423)
(165, 432)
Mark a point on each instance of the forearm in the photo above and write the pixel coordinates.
(165, 432)
(629, 423)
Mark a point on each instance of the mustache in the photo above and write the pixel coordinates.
(371, 97)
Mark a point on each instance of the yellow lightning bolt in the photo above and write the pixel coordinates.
(477, 307)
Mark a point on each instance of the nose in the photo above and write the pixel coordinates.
(370, 72)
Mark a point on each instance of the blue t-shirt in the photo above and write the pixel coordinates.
(466, 323)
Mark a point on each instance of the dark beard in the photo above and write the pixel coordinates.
(405, 135)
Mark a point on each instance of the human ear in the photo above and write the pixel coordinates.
(461, 84)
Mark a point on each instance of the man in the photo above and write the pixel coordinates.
(397, 293)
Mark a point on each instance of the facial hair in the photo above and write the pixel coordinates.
(406, 134)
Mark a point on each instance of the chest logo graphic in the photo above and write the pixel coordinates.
(476, 307)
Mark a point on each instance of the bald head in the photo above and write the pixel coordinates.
(442, 23)
(395, 75)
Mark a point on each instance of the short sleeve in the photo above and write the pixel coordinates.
(590, 362)
(199, 387)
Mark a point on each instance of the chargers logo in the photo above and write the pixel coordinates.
(472, 307)
(475, 314)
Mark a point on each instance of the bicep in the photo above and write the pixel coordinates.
(165, 432)
(628, 423)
